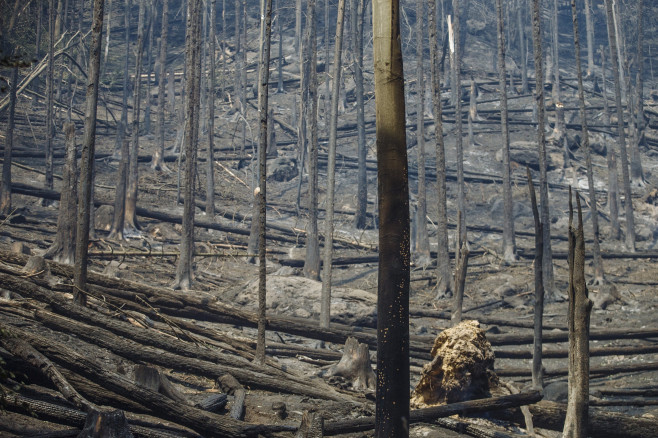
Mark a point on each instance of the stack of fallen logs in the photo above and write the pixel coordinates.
(149, 327)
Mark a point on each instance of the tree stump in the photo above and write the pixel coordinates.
(354, 366)
(461, 368)
(106, 424)
(153, 379)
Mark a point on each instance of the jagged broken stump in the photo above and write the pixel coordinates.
(462, 367)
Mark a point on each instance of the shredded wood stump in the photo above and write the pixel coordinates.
(110, 424)
(354, 366)
(461, 368)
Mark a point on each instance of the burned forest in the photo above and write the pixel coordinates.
(308, 218)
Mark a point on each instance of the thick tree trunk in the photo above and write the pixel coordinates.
(509, 245)
(621, 135)
(522, 46)
(87, 160)
(184, 274)
(325, 300)
(63, 248)
(360, 215)
(596, 248)
(157, 163)
(312, 262)
(150, 12)
(444, 282)
(133, 172)
(5, 193)
(392, 409)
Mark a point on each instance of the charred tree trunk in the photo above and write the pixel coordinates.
(312, 261)
(50, 104)
(263, 99)
(621, 135)
(184, 273)
(637, 116)
(210, 169)
(116, 232)
(157, 163)
(392, 409)
(613, 185)
(362, 150)
(422, 247)
(63, 248)
(457, 91)
(87, 160)
(325, 306)
(598, 262)
(133, 173)
(123, 124)
(537, 368)
(589, 30)
(444, 283)
(5, 194)
(580, 306)
(509, 245)
(547, 268)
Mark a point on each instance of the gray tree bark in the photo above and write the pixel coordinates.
(598, 262)
(613, 185)
(116, 231)
(123, 124)
(325, 299)
(5, 193)
(547, 268)
(422, 249)
(210, 165)
(509, 244)
(580, 306)
(637, 116)
(133, 172)
(184, 272)
(621, 135)
(157, 162)
(87, 160)
(50, 105)
(589, 30)
(444, 283)
(63, 248)
(263, 88)
(312, 261)
(457, 91)
(360, 215)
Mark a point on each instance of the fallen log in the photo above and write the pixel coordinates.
(25, 351)
(551, 415)
(606, 370)
(139, 352)
(598, 351)
(196, 419)
(427, 415)
(71, 417)
(229, 384)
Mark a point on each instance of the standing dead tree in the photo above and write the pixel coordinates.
(325, 300)
(392, 410)
(598, 262)
(87, 160)
(63, 248)
(5, 192)
(580, 307)
(537, 352)
(184, 275)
